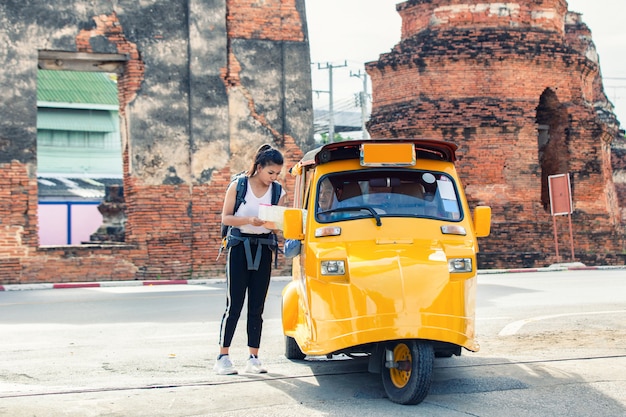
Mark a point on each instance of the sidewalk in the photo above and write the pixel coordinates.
(63, 285)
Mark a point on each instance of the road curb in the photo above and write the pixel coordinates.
(100, 284)
(66, 285)
(70, 285)
(549, 269)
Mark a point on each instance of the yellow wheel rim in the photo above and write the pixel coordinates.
(399, 377)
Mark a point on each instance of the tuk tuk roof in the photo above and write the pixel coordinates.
(424, 148)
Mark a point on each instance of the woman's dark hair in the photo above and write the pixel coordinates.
(265, 156)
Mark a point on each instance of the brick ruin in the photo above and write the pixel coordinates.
(202, 84)
(518, 87)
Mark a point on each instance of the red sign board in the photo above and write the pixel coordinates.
(560, 194)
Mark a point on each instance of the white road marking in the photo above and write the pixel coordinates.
(492, 318)
(152, 289)
(512, 328)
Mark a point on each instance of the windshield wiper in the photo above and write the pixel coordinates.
(371, 209)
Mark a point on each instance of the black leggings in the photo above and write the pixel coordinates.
(239, 281)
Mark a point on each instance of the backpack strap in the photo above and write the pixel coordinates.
(253, 263)
(276, 190)
(242, 185)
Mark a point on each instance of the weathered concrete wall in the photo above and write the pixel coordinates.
(489, 76)
(206, 82)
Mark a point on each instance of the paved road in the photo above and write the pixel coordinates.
(552, 345)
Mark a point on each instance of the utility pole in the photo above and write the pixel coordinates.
(331, 115)
(363, 102)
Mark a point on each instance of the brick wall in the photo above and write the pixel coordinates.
(278, 20)
(205, 84)
(487, 76)
(539, 14)
(18, 231)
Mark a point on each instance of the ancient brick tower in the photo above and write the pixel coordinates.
(517, 86)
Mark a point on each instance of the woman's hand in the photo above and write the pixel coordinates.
(255, 221)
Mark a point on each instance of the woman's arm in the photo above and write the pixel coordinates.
(228, 217)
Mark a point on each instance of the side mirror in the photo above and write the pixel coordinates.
(292, 227)
(482, 221)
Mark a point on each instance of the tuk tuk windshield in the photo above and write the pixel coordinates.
(387, 193)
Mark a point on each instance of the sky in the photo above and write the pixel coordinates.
(354, 32)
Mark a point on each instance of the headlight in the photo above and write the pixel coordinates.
(453, 229)
(327, 231)
(460, 265)
(333, 268)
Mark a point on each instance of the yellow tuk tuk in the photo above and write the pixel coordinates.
(387, 259)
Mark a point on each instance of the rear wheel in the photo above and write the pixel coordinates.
(292, 350)
(407, 371)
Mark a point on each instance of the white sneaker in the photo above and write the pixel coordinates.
(254, 366)
(223, 366)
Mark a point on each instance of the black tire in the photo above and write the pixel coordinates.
(292, 350)
(408, 380)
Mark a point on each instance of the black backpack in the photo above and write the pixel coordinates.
(242, 186)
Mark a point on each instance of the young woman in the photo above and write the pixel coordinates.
(249, 261)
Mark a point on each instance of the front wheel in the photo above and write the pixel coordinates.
(292, 350)
(407, 370)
